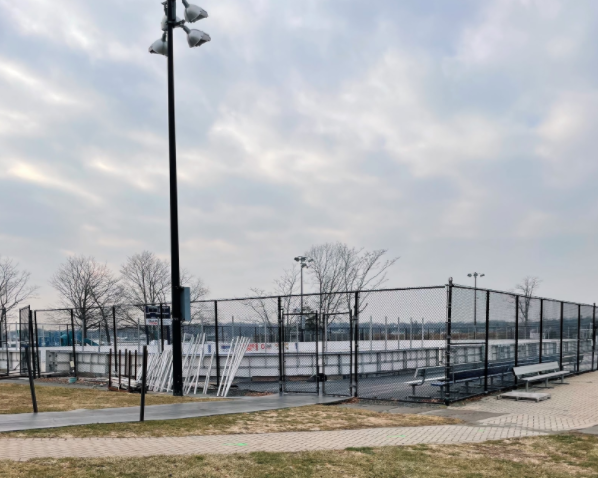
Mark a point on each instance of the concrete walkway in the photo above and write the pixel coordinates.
(29, 421)
(572, 407)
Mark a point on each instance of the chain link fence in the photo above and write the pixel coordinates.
(427, 344)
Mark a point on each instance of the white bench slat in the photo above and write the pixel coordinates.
(543, 376)
(536, 368)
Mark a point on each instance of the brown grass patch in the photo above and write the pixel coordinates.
(17, 399)
(310, 418)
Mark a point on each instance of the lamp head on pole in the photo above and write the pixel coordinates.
(160, 47)
(196, 38)
(194, 13)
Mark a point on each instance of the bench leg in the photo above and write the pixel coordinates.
(527, 386)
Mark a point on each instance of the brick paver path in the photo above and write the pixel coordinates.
(572, 406)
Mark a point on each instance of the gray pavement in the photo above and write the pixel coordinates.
(30, 421)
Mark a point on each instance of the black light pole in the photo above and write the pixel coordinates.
(165, 46)
(177, 357)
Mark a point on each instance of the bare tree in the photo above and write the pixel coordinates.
(266, 309)
(146, 279)
(87, 287)
(338, 269)
(14, 285)
(527, 289)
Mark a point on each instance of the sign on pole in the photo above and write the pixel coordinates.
(152, 315)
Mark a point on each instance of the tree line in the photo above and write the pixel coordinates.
(332, 270)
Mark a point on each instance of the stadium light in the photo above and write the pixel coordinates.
(194, 13)
(475, 276)
(304, 261)
(164, 46)
(160, 47)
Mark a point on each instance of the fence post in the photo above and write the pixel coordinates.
(562, 328)
(541, 351)
(593, 333)
(6, 341)
(143, 385)
(73, 342)
(109, 369)
(356, 330)
(31, 344)
(31, 384)
(217, 344)
(516, 332)
(161, 329)
(487, 347)
(447, 359)
(128, 371)
(37, 367)
(351, 335)
(578, 333)
(117, 364)
(280, 346)
(317, 354)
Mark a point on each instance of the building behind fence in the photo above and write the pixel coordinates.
(440, 343)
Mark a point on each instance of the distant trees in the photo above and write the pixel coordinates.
(90, 288)
(527, 290)
(338, 269)
(15, 287)
(146, 280)
(335, 270)
(87, 286)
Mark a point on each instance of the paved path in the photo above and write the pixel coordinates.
(572, 407)
(25, 449)
(28, 421)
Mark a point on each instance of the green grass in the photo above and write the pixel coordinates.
(543, 457)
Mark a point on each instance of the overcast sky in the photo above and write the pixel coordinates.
(459, 135)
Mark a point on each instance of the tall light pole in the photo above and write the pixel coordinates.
(165, 46)
(475, 276)
(304, 261)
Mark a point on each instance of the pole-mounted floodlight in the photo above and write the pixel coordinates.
(194, 13)
(196, 38)
(475, 276)
(165, 46)
(160, 47)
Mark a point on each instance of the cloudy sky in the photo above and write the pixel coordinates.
(460, 135)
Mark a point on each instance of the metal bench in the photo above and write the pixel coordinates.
(541, 372)
(426, 374)
(467, 376)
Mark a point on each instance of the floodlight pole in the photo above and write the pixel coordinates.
(177, 357)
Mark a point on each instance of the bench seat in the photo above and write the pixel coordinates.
(425, 375)
(468, 376)
(541, 372)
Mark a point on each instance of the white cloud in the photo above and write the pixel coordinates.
(452, 141)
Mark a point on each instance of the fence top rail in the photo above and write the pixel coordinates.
(514, 294)
(313, 294)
